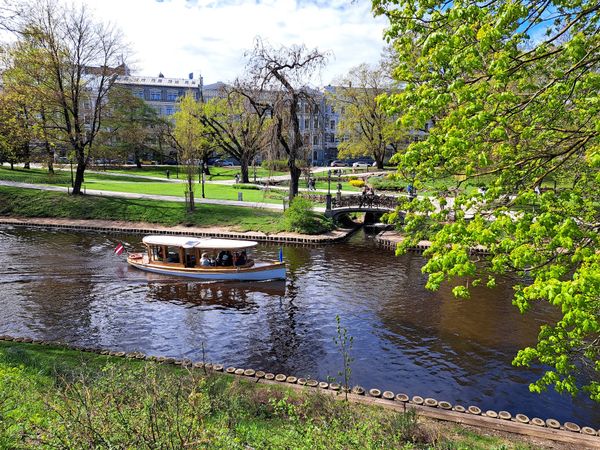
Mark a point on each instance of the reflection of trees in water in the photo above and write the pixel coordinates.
(239, 296)
(464, 333)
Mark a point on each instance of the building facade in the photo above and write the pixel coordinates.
(162, 93)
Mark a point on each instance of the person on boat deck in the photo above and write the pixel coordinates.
(225, 258)
(240, 258)
(205, 260)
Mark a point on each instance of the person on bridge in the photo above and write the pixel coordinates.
(370, 197)
(363, 196)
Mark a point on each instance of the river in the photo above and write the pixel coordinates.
(70, 287)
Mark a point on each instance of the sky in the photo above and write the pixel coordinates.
(209, 37)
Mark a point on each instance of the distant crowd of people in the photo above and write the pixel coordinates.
(225, 258)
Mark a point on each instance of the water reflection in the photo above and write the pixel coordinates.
(405, 337)
(238, 296)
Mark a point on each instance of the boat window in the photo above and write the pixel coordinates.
(157, 253)
(173, 254)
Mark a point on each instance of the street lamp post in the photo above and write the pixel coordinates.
(328, 198)
(202, 176)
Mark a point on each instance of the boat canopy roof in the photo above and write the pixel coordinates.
(192, 242)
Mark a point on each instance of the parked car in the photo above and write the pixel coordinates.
(338, 163)
(223, 163)
(360, 164)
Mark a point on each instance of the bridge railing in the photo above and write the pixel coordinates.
(367, 201)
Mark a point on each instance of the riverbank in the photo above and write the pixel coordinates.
(54, 396)
(52, 209)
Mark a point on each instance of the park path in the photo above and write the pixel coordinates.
(169, 198)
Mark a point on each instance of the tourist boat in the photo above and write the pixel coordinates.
(181, 256)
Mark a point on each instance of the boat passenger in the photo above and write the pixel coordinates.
(240, 258)
(225, 258)
(205, 260)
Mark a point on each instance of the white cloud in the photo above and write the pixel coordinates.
(177, 37)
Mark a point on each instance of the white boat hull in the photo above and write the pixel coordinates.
(256, 273)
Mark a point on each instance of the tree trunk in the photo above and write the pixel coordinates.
(244, 170)
(50, 155)
(294, 179)
(137, 160)
(205, 161)
(190, 190)
(78, 176)
(26, 156)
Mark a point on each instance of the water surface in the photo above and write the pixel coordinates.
(70, 287)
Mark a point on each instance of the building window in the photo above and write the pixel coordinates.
(155, 95)
(316, 123)
(140, 94)
(306, 124)
(331, 138)
(315, 140)
(172, 96)
(169, 110)
(332, 124)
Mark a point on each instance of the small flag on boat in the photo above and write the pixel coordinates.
(280, 255)
(119, 249)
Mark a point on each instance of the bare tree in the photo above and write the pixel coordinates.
(367, 129)
(281, 76)
(238, 123)
(81, 59)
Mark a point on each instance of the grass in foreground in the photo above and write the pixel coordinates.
(36, 203)
(57, 398)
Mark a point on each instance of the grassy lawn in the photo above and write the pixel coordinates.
(35, 203)
(52, 397)
(107, 182)
(216, 173)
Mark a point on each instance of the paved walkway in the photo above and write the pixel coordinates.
(169, 198)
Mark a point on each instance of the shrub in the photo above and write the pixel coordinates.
(280, 165)
(357, 183)
(252, 187)
(300, 217)
(384, 184)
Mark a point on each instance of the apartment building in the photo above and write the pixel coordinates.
(160, 92)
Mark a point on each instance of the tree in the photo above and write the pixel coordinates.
(367, 129)
(239, 124)
(512, 88)
(80, 59)
(281, 77)
(190, 138)
(130, 126)
(15, 129)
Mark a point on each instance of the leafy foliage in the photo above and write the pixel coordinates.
(386, 184)
(301, 218)
(58, 398)
(367, 129)
(512, 88)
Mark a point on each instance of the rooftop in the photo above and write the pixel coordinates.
(158, 81)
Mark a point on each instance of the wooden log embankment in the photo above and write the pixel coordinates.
(551, 430)
(390, 239)
(119, 227)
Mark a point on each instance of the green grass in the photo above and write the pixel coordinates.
(216, 173)
(36, 203)
(52, 397)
